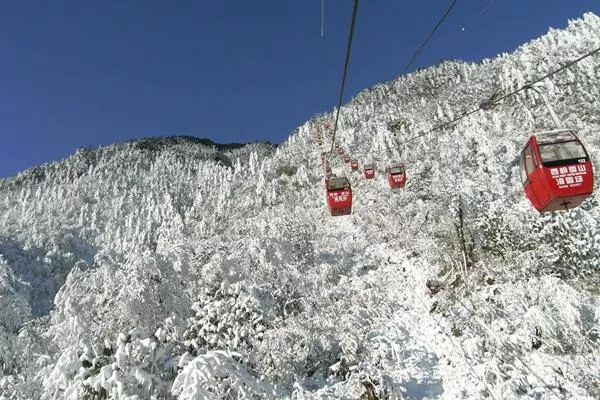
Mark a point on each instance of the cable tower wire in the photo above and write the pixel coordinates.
(503, 97)
(322, 15)
(343, 84)
(406, 67)
(496, 100)
(421, 47)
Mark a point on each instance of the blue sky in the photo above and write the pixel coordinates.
(85, 73)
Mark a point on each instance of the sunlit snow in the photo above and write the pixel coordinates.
(171, 269)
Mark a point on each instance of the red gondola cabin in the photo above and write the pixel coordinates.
(369, 171)
(346, 158)
(339, 195)
(339, 150)
(556, 171)
(396, 176)
(354, 165)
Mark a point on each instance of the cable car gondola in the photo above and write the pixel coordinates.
(396, 176)
(354, 165)
(339, 150)
(556, 171)
(339, 195)
(346, 158)
(369, 171)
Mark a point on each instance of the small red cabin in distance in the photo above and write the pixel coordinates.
(354, 165)
(339, 195)
(339, 150)
(556, 171)
(396, 176)
(346, 158)
(369, 171)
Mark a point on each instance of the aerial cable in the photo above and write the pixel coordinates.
(498, 99)
(347, 60)
(428, 37)
(410, 62)
(322, 15)
(414, 57)
(493, 101)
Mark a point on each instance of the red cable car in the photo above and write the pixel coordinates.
(396, 176)
(556, 171)
(339, 195)
(354, 165)
(339, 150)
(346, 158)
(369, 171)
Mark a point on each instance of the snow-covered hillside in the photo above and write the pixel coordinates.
(177, 269)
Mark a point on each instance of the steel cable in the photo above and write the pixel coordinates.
(346, 62)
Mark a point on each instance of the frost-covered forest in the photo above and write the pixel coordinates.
(175, 268)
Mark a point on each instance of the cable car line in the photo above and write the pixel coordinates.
(414, 57)
(406, 67)
(556, 195)
(346, 62)
(486, 105)
(493, 101)
(428, 37)
(322, 15)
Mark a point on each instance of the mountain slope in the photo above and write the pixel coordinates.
(176, 268)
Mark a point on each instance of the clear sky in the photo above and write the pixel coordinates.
(85, 73)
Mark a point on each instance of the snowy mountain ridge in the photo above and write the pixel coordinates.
(174, 268)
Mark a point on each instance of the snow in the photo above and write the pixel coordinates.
(173, 269)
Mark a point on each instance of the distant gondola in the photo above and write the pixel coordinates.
(369, 171)
(339, 195)
(396, 176)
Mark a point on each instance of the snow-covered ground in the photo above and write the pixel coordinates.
(169, 268)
